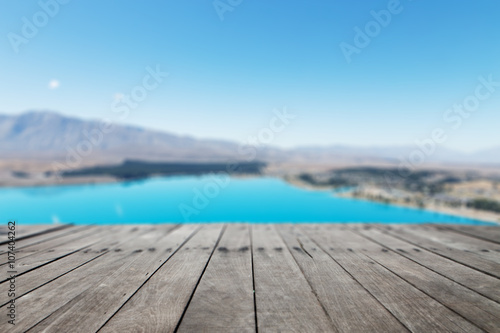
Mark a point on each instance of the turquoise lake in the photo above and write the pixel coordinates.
(199, 199)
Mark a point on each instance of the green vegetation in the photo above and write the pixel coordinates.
(419, 188)
(485, 204)
(141, 169)
(333, 181)
(423, 181)
(20, 174)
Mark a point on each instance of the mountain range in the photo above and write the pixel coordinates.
(46, 135)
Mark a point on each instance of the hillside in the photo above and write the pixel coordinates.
(49, 136)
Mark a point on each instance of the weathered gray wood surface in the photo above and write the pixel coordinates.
(285, 300)
(415, 309)
(491, 234)
(28, 231)
(485, 285)
(478, 260)
(249, 278)
(158, 306)
(223, 301)
(350, 306)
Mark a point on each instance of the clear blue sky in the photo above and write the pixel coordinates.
(226, 76)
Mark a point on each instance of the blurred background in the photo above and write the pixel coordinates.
(391, 102)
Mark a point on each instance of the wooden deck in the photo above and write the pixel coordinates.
(260, 277)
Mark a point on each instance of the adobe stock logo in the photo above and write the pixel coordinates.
(125, 103)
(223, 6)
(93, 137)
(363, 37)
(453, 118)
(246, 152)
(30, 27)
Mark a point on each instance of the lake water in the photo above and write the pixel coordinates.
(199, 199)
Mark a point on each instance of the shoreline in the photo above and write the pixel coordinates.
(483, 216)
(474, 214)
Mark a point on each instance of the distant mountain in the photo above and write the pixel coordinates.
(50, 136)
(396, 154)
(489, 156)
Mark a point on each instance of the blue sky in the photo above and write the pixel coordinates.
(226, 76)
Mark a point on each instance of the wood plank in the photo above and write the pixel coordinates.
(491, 234)
(350, 306)
(483, 284)
(285, 300)
(484, 313)
(224, 299)
(25, 243)
(44, 301)
(159, 305)
(468, 258)
(66, 246)
(35, 249)
(28, 231)
(487, 250)
(23, 230)
(307, 278)
(47, 273)
(94, 307)
(413, 308)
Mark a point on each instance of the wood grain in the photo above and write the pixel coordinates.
(413, 308)
(491, 234)
(223, 301)
(476, 260)
(159, 305)
(55, 269)
(285, 300)
(27, 231)
(350, 306)
(258, 277)
(46, 300)
(484, 314)
(483, 284)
